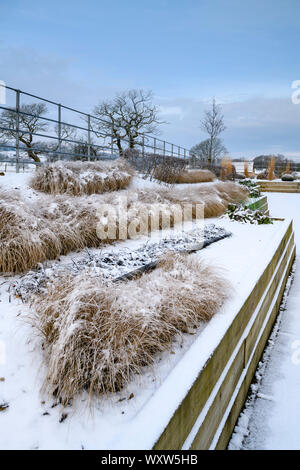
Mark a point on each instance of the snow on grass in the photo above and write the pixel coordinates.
(112, 263)
(34, 229)
(120, 422)
(77, 178)
(97, 334)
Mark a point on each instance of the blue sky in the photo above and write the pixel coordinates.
(245, 53)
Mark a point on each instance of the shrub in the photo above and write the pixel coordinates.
(242, 214)
(263, 175)
(253, 188)
(287, 177)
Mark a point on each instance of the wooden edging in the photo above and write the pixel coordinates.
(280, 186)
(260, 204)
(206, 417)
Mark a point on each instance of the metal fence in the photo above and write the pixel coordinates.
(61, 132)
(289, 165)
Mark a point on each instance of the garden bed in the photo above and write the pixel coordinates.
(260, 204)
(187, 397)
(279, 186)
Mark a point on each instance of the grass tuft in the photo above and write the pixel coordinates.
(45, 228)
(96, 336)
(78, 178)
(195, 176)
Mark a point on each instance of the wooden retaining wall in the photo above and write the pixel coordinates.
(279, 186)
(260, 204)
(206, 417)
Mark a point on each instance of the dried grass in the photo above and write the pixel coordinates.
(50, 226)
(35, 231)
(78, 178)
(96, 336)
(195, 176)
(271, 169)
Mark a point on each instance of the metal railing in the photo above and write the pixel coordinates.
(79, 135)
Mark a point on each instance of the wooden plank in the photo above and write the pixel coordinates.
(187, 413)
(243, 391)
(211, 421)
(267, 302)
(205, 435)
(279, 186)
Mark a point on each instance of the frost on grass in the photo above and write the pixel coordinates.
(97, 335)
(33, 231)
(110, 263)
(77, 178)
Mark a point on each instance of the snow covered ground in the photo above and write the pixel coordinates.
(134, 417)
(271, 419)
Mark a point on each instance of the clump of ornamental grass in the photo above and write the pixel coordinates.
(271, 169)
(195, 176)
(96, 335)
(78, 178)
(33, 231)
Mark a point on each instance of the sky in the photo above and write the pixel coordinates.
(243, 53)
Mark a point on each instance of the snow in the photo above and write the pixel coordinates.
(271, 418)
(33, 421)
(112, 262)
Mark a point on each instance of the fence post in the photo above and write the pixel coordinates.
(89, 137)
(164, 148)
(154, 145)
(179, 152)
(17, 129)
(143, 145)
(112, 144)
(59, 128)
(172, 147)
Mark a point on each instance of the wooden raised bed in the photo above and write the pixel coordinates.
(207, 415)
(260, 204)
(279, 186)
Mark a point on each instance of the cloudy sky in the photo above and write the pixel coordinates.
(245, 53)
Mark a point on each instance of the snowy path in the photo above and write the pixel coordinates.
(273, 420)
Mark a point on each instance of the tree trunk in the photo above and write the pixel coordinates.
(31, 153)
(121, 153)
(34, 156)
(131, 142)
(210, 151)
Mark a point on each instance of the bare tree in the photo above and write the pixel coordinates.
(126, 117)
(84, 150)
(213, 124)
(204, 150)
(31, 123)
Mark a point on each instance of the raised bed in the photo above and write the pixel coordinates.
(260, 203)
(207, 415)
(279, 186)
(194, 393)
